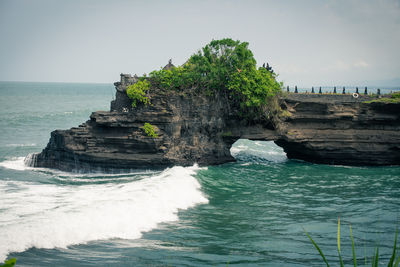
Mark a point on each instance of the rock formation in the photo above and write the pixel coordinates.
(193, 128)
(340, 129)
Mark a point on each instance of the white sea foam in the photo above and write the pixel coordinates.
(19, 164)
(238, 148)
(262, 149)
(50, 216)
(15, 163)
(21, 145)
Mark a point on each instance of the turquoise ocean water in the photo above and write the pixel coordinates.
(248, 213)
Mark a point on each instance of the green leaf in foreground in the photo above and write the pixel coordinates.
(353, 248)
(397, 262)
(394, 250)
(375, 259)
(316, 246)
(393, 262)
(338, 243)
(9, 263)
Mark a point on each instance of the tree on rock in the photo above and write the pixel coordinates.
(225, 66)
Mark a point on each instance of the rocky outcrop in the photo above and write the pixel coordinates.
(192, 128)
(340, 129)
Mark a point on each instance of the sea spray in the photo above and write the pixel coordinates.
(16, 163)
(54, 216)
(258, 152)
(30, 160)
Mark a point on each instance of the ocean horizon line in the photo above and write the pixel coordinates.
(56, 82)
(339, 86)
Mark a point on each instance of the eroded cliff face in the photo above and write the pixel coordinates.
(340, 129)
(192, 128)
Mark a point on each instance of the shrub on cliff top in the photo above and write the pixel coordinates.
(137, 92)
(225, 66)
(393, 98)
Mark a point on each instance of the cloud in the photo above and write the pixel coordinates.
(338, 65)
(361, 64)
(342, 65)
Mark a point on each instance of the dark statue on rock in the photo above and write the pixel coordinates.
(268, 68)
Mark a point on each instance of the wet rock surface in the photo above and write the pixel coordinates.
(191, 128)
(339, 129)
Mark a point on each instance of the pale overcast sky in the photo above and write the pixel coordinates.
(308, 43)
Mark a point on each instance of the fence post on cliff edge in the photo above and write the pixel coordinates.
(365, 91)
(320, 91)
(356, 90)
(287, 88)
(295, 89)
(344, 90)
(312, 90)
(334, 90)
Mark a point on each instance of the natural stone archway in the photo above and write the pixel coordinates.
(199, 129)
(191, 129)
(246, 151)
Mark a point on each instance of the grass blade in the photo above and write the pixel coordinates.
(316, 246)
(365, 252)
(376, 258)
(341, 260)
(338, 235)
(352, 246)
(394, 250)
(396, 264)
(338, 243)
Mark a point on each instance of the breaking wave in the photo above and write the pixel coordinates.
(257, 152)
(57, 216)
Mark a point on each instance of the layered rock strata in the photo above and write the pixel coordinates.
(333, 129)
(190, 128)
(341, 129)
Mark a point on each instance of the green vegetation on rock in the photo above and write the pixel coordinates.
(224, 67)
(150, 130)
(137, 92)
(227, 134)
(393, 98)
